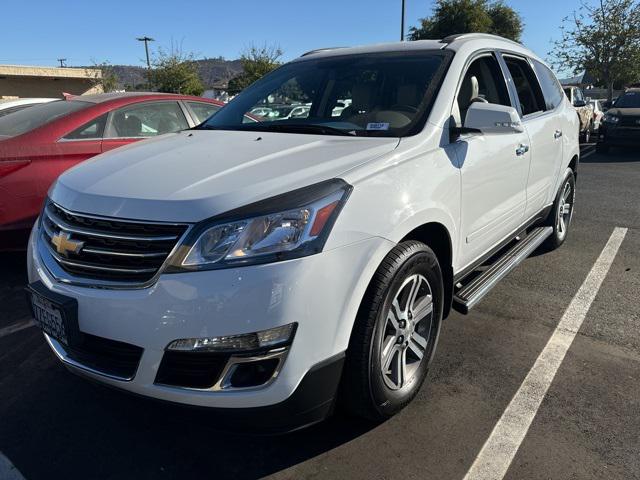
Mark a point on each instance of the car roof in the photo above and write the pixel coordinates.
(125, 97)
(465, 41)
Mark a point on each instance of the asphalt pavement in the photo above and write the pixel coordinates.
(56, 425)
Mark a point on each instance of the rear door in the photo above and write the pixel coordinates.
(142, 120)
(493, 167)
(543, 125)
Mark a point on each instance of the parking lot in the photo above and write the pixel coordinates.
(56, 425)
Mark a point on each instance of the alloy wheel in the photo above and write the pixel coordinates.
(406, 332)
(565, 211)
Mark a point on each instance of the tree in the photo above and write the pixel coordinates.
(175, 72)
(256, 63)
(464, 16)
(103, 74)
(604, 40)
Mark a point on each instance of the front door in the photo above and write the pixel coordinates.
(494, 167)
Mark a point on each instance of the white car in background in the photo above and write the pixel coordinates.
(10, 106)
(283, 265)
(598, 114)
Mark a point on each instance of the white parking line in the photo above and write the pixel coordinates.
(588, 154)
(8, 471)
(500, 448)
(16, 327)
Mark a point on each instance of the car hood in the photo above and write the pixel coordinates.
(624, 112)
(193, 175)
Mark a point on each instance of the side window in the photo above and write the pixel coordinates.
(578, 95)
(551, 89)
(202, 110)
(146, 120)
(482, 82)
(89, 131)
(527, 86)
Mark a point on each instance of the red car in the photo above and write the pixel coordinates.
(39, 143)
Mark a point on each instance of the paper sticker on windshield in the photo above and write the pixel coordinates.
(377, 126)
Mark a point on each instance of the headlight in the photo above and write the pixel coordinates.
(265, 232)
(611, 118)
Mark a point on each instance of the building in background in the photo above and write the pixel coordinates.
(19, 81)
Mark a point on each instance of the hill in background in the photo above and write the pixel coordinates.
(213, 72)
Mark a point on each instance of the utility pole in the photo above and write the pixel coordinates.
(146, 41)
(62, 60)
(402, 23)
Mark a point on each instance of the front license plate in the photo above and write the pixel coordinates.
(55, 314)
(49, 317)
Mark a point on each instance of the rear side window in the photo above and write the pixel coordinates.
(89, 131)
(31, 118)
(527, 86)
(202, 110)
(146, 120)
(551, 89)
(483, 81)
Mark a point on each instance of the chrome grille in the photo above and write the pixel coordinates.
(112, 250)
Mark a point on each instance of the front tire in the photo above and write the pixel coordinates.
(562, 212)
(395, 333)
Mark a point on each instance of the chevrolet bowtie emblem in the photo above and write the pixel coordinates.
(65, 245)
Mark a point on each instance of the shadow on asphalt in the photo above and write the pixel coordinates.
(615, 155)
(55, 424)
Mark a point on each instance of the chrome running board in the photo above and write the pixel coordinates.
(467, 295)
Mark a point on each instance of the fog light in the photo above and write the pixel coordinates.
(265, 339)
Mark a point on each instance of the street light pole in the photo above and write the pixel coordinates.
(402, 23)
(146, 41)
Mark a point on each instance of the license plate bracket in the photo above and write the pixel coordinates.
(55, 314)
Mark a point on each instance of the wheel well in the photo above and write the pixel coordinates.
(437, 237)
(573, 165)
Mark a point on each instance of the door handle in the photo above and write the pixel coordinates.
(558, 134)
(522, 149)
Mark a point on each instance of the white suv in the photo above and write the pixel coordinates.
(270, 269)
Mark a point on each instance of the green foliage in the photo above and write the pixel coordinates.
(175, 72)
(465, 16)
(603, 39)
(256, 63)
(106, 78)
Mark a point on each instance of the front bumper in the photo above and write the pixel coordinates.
(321, 293)
(619, 136)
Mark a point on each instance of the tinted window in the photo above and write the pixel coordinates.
(375, 94)
(7, 111)
(551, 89)
(33, 117)
(147, 120)
(93, 129)
(483, 81)
(628, 100)
(527, 87)
(202, 110)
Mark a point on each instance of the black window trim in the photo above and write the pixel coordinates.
(512, 87)
(138, 104)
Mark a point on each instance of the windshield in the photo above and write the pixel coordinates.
(386, 94)
(24, 121)
(628, 100)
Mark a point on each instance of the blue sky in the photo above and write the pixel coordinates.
(37, 32)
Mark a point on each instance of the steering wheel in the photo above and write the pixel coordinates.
(404, 108)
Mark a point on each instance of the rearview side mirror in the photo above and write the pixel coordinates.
(493, 118)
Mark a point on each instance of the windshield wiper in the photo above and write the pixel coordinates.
(283, 127)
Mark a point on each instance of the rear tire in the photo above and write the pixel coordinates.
(395, 333)
(562, 212)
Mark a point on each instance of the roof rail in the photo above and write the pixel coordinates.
(318, 50)
(465, 36)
